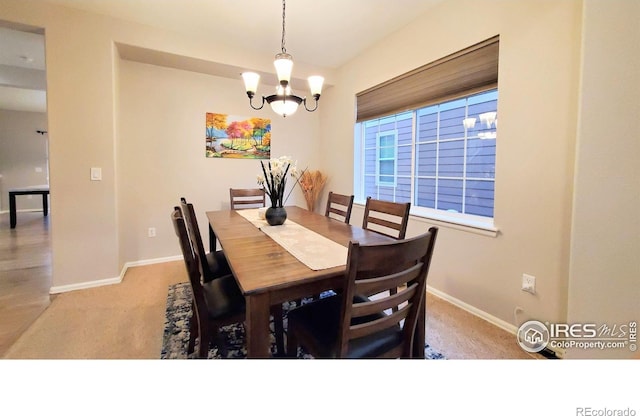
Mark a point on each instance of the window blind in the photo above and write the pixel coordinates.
(471, 70)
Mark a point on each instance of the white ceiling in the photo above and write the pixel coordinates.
(22, 71)
(325, 33)
(322, 33)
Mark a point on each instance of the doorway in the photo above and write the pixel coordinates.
(25, 251)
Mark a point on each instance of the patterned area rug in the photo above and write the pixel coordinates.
(176, 331)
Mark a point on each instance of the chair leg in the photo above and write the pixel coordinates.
(205, 341)
(220, 341)
(276, 312)
(292, 344)
(193, 331)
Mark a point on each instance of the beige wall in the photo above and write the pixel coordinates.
(22, 150)
(538, 79)
(605, 265)
(90, 243)
(160, 155)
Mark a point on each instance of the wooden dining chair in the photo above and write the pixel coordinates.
(388, 218)
(339, 205)
(365, 320)
(217, 303)
(385, 217)
(214, 264)
(246, 198)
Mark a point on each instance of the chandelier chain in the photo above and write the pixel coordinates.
(284, 50)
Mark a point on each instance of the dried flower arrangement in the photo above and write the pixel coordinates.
(311, 182)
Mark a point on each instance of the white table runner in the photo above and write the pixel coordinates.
(251, 215)
(310, 248)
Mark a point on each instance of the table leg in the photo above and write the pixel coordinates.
(45, 204)
(212, 240)
(257, 326)
(12, 210)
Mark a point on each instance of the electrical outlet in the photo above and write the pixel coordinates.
(96, 174)
(151, 232)
(529, 283)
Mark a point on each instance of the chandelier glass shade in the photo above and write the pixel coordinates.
(283, 102)
(489, 121)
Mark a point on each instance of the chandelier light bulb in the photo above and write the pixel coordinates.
(284, 65)
(315, 84)
(251, 80)
(488, 118)
(469, 122)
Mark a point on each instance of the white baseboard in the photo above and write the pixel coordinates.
(84, 285)
(6, 211)
(474, 311)
(484, 315)
(112, 281)
(148, 262)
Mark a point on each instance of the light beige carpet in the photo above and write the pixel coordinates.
(126, 321)
(116, 321)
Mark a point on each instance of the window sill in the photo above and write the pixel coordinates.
(456, 223)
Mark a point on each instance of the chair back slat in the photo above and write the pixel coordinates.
(246, 198)
(380, 305)
(368, 328)
(380, 284)
(391, 217)
(339, 205)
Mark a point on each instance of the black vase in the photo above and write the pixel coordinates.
(275, 215)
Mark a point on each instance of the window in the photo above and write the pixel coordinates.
(386, 156)
(438, 150)
(387, 149)
(428, 157)
(455, 166)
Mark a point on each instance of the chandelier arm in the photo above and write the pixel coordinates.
(304, 101)
(251, 102)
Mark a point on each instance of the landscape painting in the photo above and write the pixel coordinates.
(237, 137)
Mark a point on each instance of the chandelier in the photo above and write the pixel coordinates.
(283, 102)
(490, 122)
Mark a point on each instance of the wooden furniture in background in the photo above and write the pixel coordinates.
(246, 198)
(217, 303)
(388, 218)
(340, 205)
(354, 324)
(215, 265)
(29, 190)
(240, 199)
(267, 274)
(391, 218)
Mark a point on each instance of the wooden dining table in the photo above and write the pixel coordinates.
(268, 274)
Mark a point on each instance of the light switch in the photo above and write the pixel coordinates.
(96, 174)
